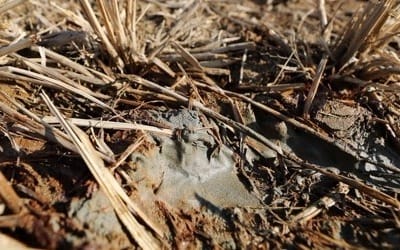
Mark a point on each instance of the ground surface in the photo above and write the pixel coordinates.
(211, 139)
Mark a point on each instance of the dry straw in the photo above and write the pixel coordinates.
(120, 201)
(364, 31)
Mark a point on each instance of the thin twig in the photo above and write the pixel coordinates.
(314, 86)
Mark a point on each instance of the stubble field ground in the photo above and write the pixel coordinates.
(199, 124)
